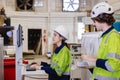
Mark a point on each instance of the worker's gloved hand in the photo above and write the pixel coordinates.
(35, 65)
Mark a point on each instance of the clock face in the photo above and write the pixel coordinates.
(70, 5)
(24, 4)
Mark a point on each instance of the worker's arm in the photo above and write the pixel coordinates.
(111, 64)
(44, 64)
(49, 70)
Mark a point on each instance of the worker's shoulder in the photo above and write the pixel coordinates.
(66, 48)
(115, 33)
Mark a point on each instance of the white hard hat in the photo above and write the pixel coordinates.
(100, 8)
(62, 31)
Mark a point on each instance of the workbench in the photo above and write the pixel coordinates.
(34, 75)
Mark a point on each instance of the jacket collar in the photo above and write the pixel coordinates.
(59, 48)
(107, 31)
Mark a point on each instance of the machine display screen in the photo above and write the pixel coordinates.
(7, 33)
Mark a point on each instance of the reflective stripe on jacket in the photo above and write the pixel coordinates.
(109, 50)
(61, 61)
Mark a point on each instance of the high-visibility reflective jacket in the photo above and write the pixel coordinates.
(61, 62)
(109, 53)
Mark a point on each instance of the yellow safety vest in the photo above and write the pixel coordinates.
(61, 61)
(109, 50)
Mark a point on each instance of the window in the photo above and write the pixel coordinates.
(24, 5)
(70, 5)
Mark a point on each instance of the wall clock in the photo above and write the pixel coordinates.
(24, 5)
(71, 5)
